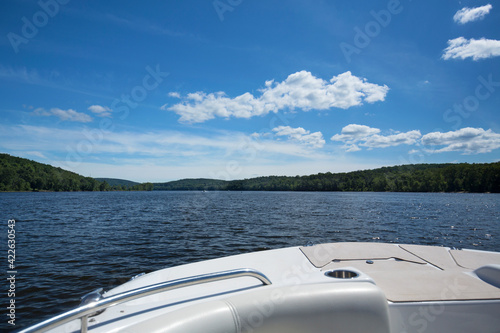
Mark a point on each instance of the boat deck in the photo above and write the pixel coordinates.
(336, 287)
(415, 273)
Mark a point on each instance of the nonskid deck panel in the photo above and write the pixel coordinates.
(412, 273)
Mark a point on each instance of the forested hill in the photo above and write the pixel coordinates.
(192, 184)
(20, 174)
(407, 178)
(118, 182)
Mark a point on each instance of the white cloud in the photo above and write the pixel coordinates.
(466, 140)
(314, 140)
(466, 14)
(354, 132)
(167, 155)
(174, 94)
(162, 171)
(472, 48)
(354, 136)
(101, 111)
(176, 147)
(380, 141)
(64, 115)
(300, 90)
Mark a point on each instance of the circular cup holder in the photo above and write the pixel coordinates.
(342, 274)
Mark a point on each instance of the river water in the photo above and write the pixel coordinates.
(68, 244)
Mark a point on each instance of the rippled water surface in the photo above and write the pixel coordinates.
(68, 244)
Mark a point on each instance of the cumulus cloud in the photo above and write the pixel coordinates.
(100, 111)
(354, 132)
(300, 90)
(314, 140)
(211, 150)
(466, 14)
(355, 135)
(471, 48)
(381, 141)
(466, 140)
(64, 115)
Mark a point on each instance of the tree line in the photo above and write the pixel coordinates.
(461, 177)
(20, 174)
(198, 184)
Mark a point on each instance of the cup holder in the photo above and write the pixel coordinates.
(342, 274)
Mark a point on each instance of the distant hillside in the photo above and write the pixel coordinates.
(191, 184)
(21, 174)
(117, 182)
(407, 178)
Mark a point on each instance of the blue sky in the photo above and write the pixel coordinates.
(232, 89)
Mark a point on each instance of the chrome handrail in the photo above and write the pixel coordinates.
(84, 311)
